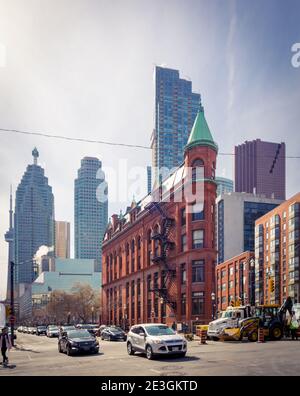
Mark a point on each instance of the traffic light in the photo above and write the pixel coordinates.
(232, 303)
(271, 286)
(7, 311)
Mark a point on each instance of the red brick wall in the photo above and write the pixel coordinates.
(230, 274)
(144, 222)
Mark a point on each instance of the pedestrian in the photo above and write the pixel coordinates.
(5, 344)
(174, 326)
(294, 326)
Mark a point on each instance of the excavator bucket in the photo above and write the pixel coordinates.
(231, 334)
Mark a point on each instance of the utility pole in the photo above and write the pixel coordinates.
(12, 302)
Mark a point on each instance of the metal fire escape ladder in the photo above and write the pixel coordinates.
(165, 237)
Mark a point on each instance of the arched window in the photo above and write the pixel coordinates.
(197, 163)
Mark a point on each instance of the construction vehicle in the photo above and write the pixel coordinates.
(230, 318)
(271, 318)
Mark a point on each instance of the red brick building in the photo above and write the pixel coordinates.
(159, 258)
(277, 251)
(235, 280)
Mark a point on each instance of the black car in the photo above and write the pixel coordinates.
(76, 341)
(41, 330)
(113, 334)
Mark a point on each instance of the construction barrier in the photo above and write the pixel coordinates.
(261, 335)
(199, 328)
(203, 336)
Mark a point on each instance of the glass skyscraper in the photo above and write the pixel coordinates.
(34, 219)
(91, 210)
(176, 107)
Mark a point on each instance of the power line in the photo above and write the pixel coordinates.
(74, 139)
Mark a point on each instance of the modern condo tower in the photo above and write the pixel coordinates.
(176, 107)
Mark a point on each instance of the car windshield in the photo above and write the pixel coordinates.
(159, 330)
(227, 314)
(78, 334)
(42, 327)
(114, 329)
(53, 328)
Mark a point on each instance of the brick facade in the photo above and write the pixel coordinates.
(131, 271)
(235, 280)
(277, 253)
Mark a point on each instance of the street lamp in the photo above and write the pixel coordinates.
(93, 309)
(213, 298)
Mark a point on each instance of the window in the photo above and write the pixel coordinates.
(183, 274)
(132, 288)
(149, 282)
(183, 242)
(197, 173)
(155, 280)
(183, 216)
(198, 239)
(231, 271)
(138, 287)
(198, 271)
(197, 211)
(197, 303)
(183, 304)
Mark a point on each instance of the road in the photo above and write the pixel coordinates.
(39, 356)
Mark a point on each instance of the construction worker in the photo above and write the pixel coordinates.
(294, 325)
(5, 344)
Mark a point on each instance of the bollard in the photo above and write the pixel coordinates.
(203, 336)
(261, 335)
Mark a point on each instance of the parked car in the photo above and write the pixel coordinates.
(91, 328)
(64, 328)
(24, 329)
(41, 330)
(20, 329)
(76, 341)
(52, 331)
(31, 330)
(100, 329)
(155, 339)
(113, 333)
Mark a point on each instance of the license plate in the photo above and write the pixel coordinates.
(176, 349)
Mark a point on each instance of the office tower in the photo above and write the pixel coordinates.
(149, 179)
(34, 219)
(236, 216)
(224, 185)
(91, 210)
(176, 107)
(9, 238)
(260, 168)
(62, 239)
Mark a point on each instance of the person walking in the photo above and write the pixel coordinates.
(5, 344)
(294, 326)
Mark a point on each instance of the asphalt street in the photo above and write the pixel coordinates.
(35, 355)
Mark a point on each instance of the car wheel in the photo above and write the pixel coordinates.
(149, 352)
(276, 333)
(130, 349)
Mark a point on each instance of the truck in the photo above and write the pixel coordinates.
(269, 317)
(230, 318)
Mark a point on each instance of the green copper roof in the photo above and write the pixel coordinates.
(200, 134)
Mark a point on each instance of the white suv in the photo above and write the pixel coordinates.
(155, 339)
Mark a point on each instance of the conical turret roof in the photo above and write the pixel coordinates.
(200, 134)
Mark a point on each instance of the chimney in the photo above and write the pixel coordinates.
(114, 218)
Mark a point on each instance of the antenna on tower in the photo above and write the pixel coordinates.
(35, 155)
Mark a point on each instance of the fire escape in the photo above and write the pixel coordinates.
(168, 288)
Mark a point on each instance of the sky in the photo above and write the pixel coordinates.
(84, 68)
